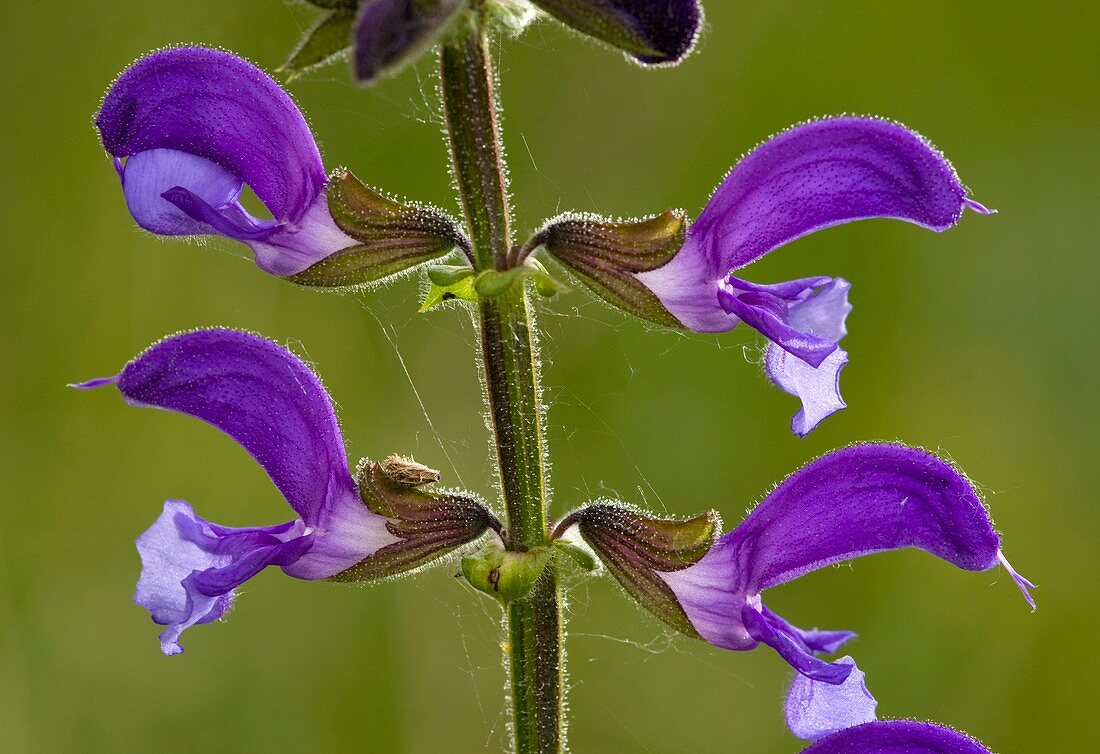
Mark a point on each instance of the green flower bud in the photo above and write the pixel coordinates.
(505, 575)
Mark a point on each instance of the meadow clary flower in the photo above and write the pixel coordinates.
(896, 737)
(849, 503)
(814, 176)
(189, 127)
(271, 403)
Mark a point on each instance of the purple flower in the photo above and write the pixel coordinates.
(813, 176)
(271, 403)
(189, 127)
(815, 709)
(897, 737)
(852, 502)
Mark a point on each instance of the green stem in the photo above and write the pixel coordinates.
(511, 372)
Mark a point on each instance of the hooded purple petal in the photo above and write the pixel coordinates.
(813, 176)
(653, 32)
(815, 709)
(190, 567)
(196, 124)
(217, 106)
(851, 502)
(270, 402)
(897, 737)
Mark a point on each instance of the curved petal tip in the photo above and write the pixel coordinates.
(93, 383)
(978, 207)
(1023, 584)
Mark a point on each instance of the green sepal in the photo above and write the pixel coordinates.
(393, 237)
(329, 39)
(624, 292)
(428, 525)
(446, 275)
(493, 283)
(546, 285)
(606, 254)
(580, 556)
(603, 21)
(637, 548)
(505, 575)
(438, 295)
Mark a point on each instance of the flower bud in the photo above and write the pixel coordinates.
(653, 32)
(636, 548)
(605, 254)
(494, 283)
(391, 33)
(427, 525)
(393, 237)
(505, 575)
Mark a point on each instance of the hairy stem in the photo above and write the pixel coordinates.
(511, 371)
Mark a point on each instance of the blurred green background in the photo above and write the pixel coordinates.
(977, 343)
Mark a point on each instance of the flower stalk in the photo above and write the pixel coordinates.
(512, 386)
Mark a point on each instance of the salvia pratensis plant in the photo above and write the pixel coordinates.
(189, 128)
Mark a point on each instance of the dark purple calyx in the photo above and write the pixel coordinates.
(636, 548)
(392, 236)
(388, 34)
(605, 255)
(652, 32)
(428, 525)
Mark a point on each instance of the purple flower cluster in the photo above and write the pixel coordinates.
(190, 127)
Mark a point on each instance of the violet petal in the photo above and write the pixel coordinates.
(814, 176)
(197, 123)
(857, 501)
(897, 737)
(851, 502)
(219, 107)
(263, 397)
(815, 640)
(815, 709)
(191, 567)
(790, 647)
(148, 175)
(804, 317)
(270, 402)
(818, 388)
